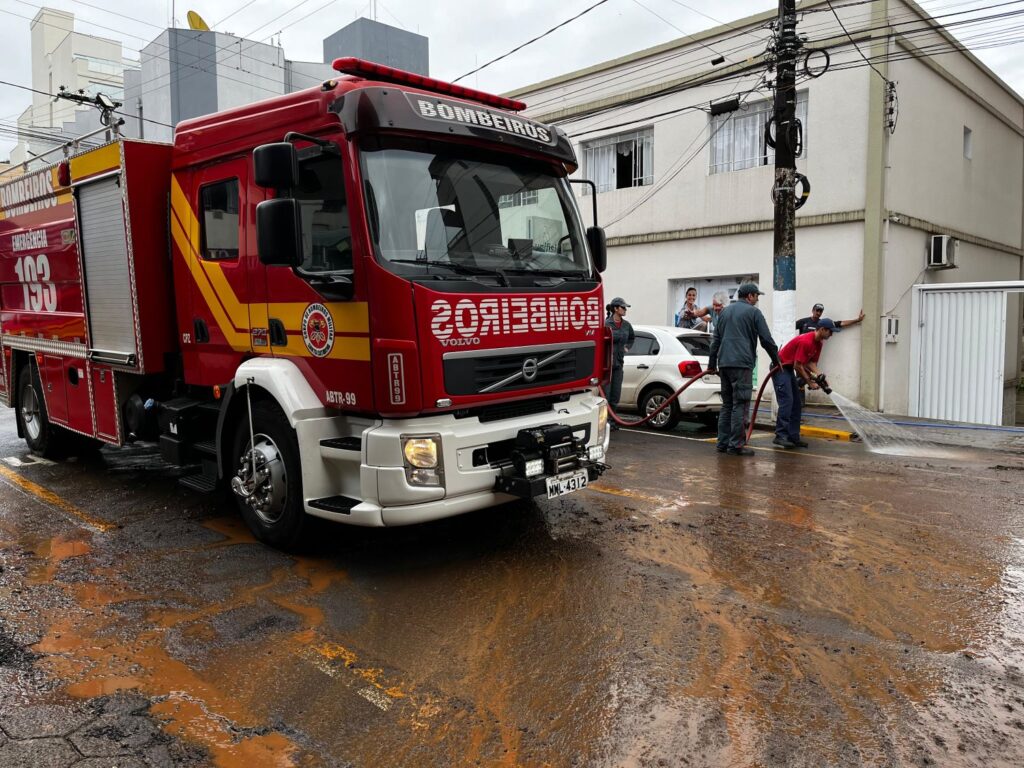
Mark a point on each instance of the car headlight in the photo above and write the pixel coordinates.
(602, 419)
(421, 452)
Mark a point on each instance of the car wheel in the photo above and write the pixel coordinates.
(270, 499)
(652, 400)
(40, 435)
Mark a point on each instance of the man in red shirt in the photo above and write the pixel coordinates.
(799, 358)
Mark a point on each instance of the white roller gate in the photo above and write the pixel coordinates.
(108, 291)
(958, 351)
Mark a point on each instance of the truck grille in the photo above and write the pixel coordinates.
(512, 370)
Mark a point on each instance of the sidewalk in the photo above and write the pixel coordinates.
(941, 432)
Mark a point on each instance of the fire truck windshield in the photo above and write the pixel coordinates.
(445, 210)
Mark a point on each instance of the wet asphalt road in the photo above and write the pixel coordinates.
(823, 608)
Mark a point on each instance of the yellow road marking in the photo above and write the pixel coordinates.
(49, 497)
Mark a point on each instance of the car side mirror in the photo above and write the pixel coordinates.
(598, 247)
(279, 232)
(276, 166)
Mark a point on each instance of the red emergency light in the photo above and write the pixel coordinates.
(353, 66)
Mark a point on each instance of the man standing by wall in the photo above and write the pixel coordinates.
(807, 324)
(799, 359)
(733, 355)
(622, 340)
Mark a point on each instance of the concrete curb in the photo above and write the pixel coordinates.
(833, 434)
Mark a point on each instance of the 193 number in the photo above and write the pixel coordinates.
(34, 275)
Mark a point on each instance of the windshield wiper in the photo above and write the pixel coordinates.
(462, 269)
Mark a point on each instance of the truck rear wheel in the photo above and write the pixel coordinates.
(270, 499)
(35, 425)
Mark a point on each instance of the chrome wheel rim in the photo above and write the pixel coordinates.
(266, 490)
(654, 402)
(31, 418)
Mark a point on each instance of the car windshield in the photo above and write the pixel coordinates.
(450, 211)
(696, 345)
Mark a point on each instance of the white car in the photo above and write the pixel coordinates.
(661, 359)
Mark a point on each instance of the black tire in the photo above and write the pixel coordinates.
(653, 398)
(41, 436)
(277, 518)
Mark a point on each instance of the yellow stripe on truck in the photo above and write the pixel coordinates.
(99, 160)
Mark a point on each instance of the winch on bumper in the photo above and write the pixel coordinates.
(549, 461)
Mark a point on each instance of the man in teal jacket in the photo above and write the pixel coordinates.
(733, 355)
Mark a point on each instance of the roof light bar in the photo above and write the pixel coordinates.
(353, 66)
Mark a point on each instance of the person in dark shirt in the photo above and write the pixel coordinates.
(733, 355)
(622, 340)
(807, 324)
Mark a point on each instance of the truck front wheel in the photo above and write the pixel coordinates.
(268, 477)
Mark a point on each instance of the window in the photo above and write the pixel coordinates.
(697, 345)
(526, 197)
(326, 235)
(968, 142)
(220, 220)
(618, 162)
(737, 138)
(643, 345)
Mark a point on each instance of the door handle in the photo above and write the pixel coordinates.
(642, 367)
(202, 332)
(278, 335)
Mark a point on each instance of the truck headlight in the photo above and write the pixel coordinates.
(421, 452)
(602, 419)
(423, 465)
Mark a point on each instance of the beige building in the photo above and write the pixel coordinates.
(685, 195)
(63, 57)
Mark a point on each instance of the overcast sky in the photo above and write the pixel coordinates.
(462, 33)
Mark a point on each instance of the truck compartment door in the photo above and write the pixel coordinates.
(110, 304)
(52, 371)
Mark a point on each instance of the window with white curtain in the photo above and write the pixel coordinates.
(737, 138)
(620, 161)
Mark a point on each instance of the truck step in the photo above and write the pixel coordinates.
(208, 447)
(200, 483)
(343, 443)
(337, 504)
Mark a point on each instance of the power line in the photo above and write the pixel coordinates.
(877, 71)
(530, 42)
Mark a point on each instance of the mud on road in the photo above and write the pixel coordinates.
(826, 607)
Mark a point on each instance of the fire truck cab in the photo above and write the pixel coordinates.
(373, 301)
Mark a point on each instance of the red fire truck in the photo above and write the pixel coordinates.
(373, 301)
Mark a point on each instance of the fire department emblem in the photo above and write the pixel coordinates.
(318, 330)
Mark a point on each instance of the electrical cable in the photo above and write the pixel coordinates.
(585, 11)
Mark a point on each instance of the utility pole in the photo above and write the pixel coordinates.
(788, 136)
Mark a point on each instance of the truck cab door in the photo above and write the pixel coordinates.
(216, 332)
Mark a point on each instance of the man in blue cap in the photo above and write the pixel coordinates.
(799, 359)
(733, 355)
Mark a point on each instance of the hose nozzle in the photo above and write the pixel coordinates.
(823, 383)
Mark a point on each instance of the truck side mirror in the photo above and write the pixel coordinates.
(276, 165)
(279, 232)
(598, 247)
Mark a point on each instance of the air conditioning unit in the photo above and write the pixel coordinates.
(941, 252)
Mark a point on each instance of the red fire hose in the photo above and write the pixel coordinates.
(757, 402)
(675, 395)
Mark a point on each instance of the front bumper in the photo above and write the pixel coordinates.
(532, 487)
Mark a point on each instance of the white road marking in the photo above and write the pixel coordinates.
(375, 697)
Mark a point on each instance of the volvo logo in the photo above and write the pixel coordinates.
(530, 368)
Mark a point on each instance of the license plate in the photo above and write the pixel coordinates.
(567, 483)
